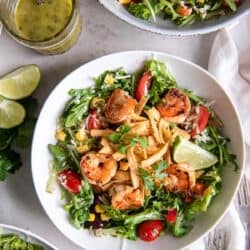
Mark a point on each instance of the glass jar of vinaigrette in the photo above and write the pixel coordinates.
(47, 26)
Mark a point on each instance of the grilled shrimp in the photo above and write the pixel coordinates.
(180, 178)
(98, 168)
(119, 106)
(175, 106)
(126, 197)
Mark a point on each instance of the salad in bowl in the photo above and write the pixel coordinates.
(138, 156)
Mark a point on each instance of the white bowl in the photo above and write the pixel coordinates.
(26, 235)
(166, 27)
(188, 75)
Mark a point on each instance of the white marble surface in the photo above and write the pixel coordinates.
(102, 34)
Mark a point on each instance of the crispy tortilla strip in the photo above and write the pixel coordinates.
(163, 126)
(101, 132)
(140, 105)
(152, 145)
(178, 131)
(133, 167)
(140, 128)
(136, 118)
(154, 117)
(141, 153)
(168, 158)
(106, 150)
(156, 157)
(118, 156)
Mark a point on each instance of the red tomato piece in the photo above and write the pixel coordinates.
(93, 122)
(70, 180)
(184, 10)
(201, 122)
(150, 230)
(143, 85)
(171, 216)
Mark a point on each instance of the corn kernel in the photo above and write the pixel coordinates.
(109, 79)
(124, 1)
(60, 135)
(99, 209)
(147, 192)
(105, 217)
(81, 135)
(91, 217)
(82, 149)
(124, 166)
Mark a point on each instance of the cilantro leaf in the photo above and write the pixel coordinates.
(10, 161)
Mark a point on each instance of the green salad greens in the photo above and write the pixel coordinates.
(18, 137)
(180, 12)
(15, 242)
(114, 156)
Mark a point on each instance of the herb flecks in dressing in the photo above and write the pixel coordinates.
(40, 22)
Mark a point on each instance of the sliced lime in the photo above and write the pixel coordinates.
(20, 83)
(11, 113)
(197, 157)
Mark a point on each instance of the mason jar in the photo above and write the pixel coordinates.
(59, 43)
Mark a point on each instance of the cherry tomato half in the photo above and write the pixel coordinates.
(93, 122)
(143, 85)
(201, 121)
(150, 230)
(70, 180)
(171, 216)
(184, 10)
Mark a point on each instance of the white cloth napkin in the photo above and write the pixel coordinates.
(229, 62)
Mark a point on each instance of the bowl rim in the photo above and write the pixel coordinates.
(178, 33)
(143, 52)
(27, 233)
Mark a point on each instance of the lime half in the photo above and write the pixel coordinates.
(20, 83)
(11, 113)
(197, 157)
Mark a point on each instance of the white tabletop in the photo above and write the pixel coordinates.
(102, 34)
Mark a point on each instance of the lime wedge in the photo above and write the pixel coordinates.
(11, 113)
(197, 157)
(20, 83)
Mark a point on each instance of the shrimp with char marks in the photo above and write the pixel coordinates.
(126, 197)
(180, 178)
(119, 106)
(175, 106)
(98, 168)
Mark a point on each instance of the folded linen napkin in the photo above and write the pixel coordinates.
(229, 62)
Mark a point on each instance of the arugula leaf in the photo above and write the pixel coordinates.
(162, 80)
(12, 241)
(10, 161)
(140, 10)
(76, 109)
(79, 205)
(193, 97)
(128, 232)
(118, 79)
(218, 145)
(231, 4)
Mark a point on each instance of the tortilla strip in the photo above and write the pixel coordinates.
(133, 167)
(154, 117)
(140, 105)
(101, 132)
(156, 157)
